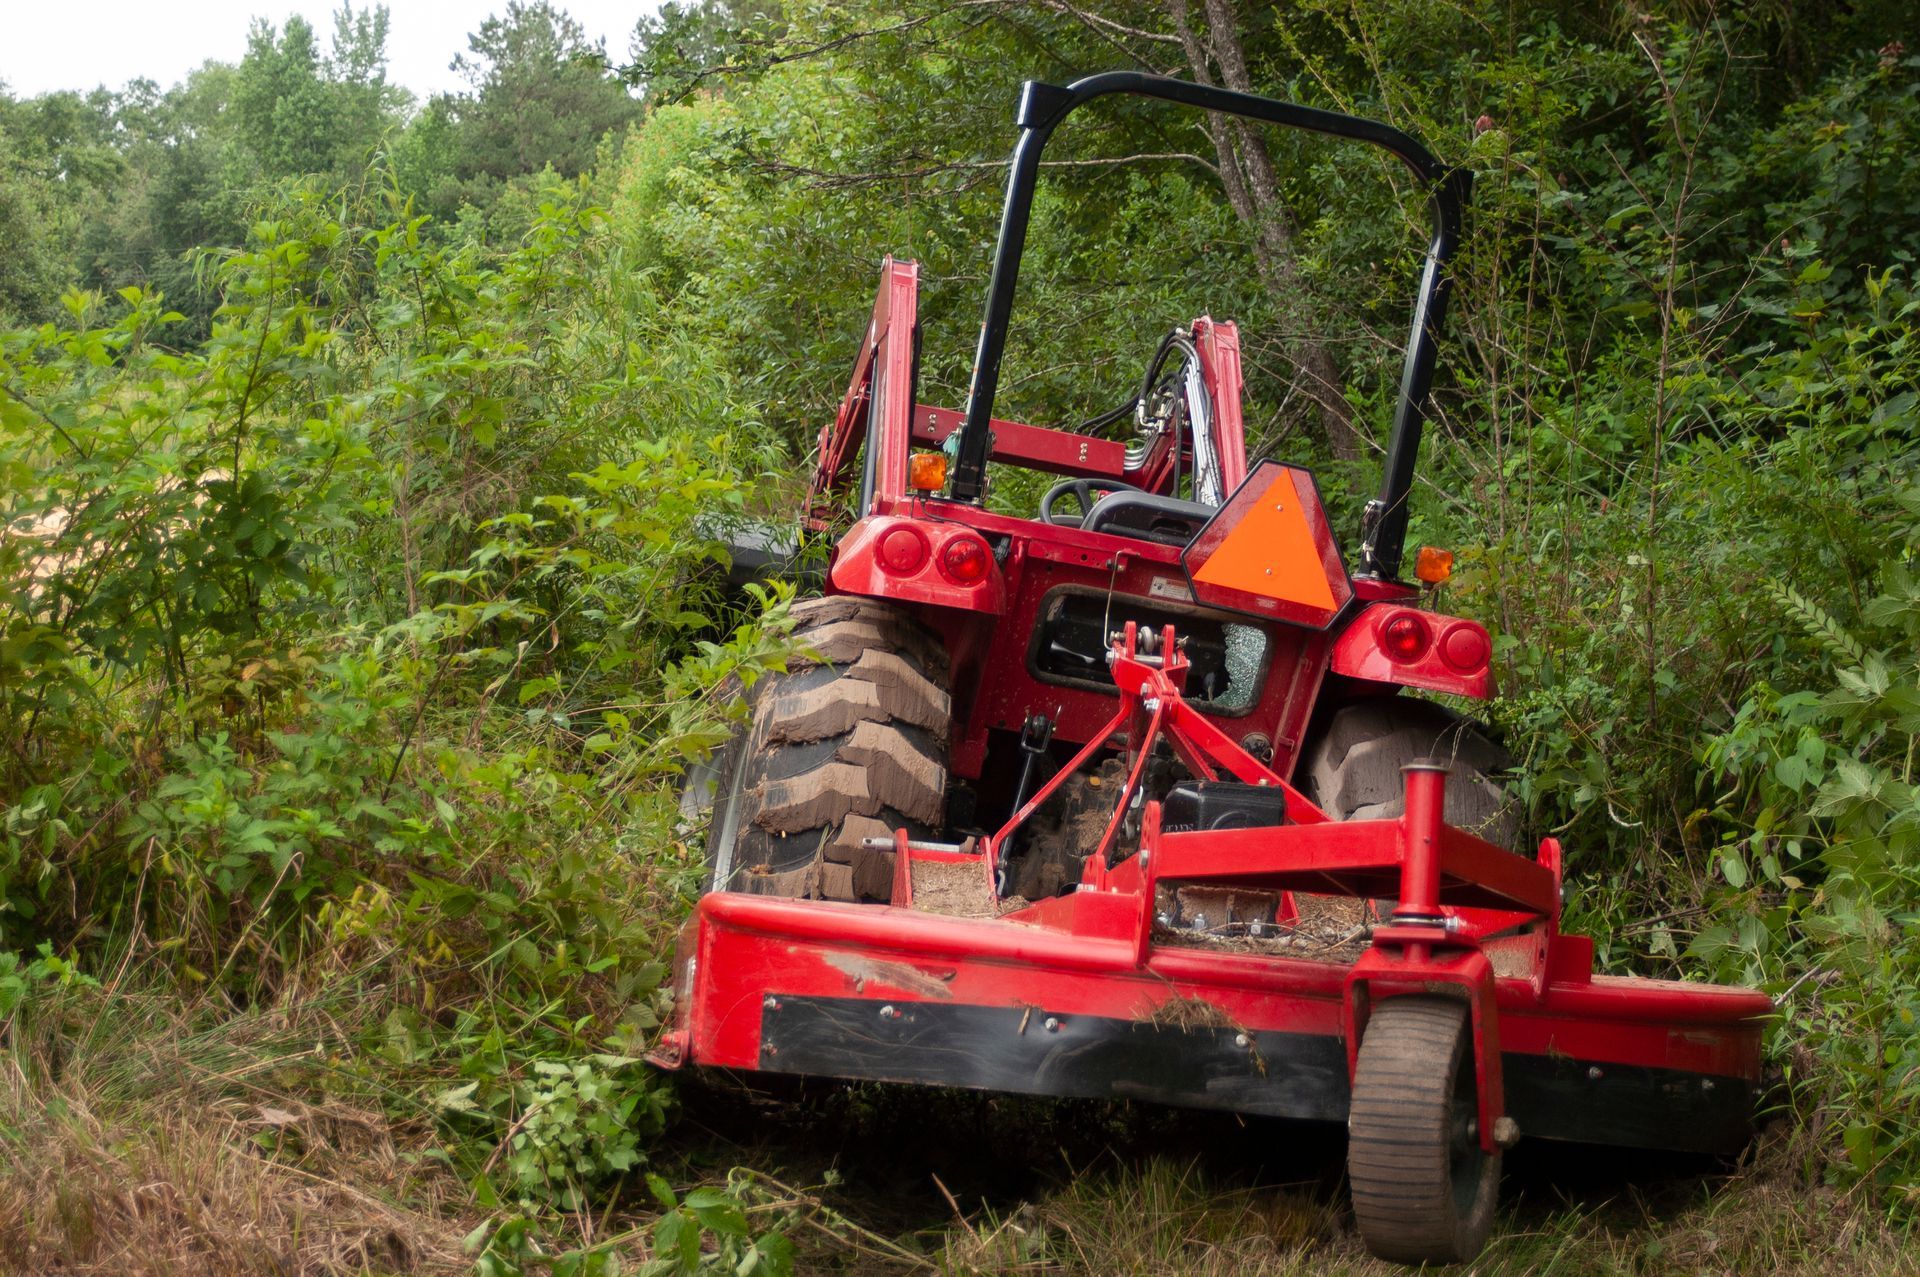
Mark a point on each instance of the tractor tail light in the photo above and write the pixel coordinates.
(1465, 647)
(965, 560)
(1405, 637)
(903, 551)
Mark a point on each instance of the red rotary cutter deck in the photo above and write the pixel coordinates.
(1070, 996)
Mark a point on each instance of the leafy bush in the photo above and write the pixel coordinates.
(353, 645)
(1822, 898)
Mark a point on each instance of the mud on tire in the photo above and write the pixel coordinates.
(850, 743)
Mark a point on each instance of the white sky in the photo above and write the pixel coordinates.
(47, 45)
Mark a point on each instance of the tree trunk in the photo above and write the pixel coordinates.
(1253, 189)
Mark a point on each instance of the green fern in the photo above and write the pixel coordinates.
(1820, 624)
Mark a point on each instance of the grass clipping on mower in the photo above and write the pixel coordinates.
(957, 889)
(1328, 929)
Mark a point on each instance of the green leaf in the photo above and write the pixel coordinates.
(458, 1099)
(1859, 1141)
(717, 1211)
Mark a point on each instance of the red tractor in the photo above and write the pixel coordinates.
(1128, 799)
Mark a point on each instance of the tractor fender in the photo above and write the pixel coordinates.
(907, 560)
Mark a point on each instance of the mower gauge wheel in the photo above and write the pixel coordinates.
(1423, 1188)
(1082, 491)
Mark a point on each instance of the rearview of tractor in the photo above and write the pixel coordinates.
(1136, 796)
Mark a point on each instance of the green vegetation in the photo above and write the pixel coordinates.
(360, 463)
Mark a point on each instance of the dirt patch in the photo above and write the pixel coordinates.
(863, 971)
(957, 889)
(1064, 832)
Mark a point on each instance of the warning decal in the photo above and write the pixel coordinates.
(1268, 552)
(1272, 551)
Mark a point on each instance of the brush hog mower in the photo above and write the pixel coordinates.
(1131, 798)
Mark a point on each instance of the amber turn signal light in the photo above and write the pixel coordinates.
(927, 471)
(1433, 565)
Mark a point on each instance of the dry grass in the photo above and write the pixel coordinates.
(137, 1138)
(133, 1143)
(1185, 1013)
(1164, 1219)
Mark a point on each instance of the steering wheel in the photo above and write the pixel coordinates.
(1082, 491)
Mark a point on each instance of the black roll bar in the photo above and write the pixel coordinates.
(1044, 106)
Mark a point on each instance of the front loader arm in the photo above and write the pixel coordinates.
(883, 374)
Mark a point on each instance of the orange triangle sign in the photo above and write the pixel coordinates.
(1271, 552)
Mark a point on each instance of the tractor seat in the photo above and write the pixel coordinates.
(1148, 516)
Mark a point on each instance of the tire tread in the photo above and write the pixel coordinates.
(1398, 1161)
(811, 755)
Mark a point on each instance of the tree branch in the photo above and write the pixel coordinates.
(828, 180)
(828, 46)
(1093, 19)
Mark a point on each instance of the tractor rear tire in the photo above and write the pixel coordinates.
(1424, 1190)
(1352, 770)
(848, 744)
